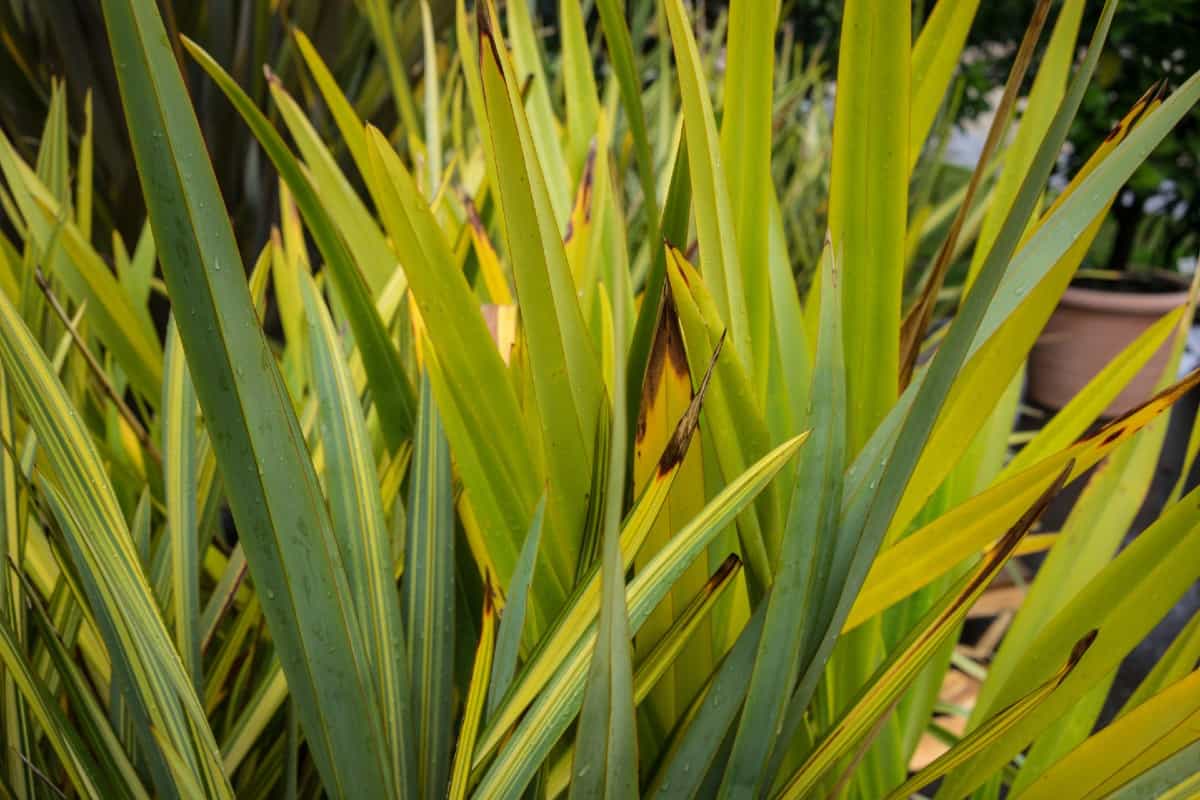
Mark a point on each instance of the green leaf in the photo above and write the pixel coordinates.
(579, 86)
(348, 123)
(935, 57)
(361, 235)
(584, 604)
(671, 646)
(512, 620)
(995, 727)
(867, 520)
(627, 72)
(81, 770)
(93, 719)
(745, 138)
(1174, 664)
(880, 693)
(276, 501)
(356, 511)
(124, 328)
(180, 445)
(1130, 746)
(568, 385)
(491, 454)
(433, 125)
(795, 359)
(1094, 530)
(83, 171)
(477, 695)
(556, 706)
(736, 427)
(697, 748)
(932, 550)
(1041, 106)
(17, 728)
(868, 201)
(711, 203)
(1125, 600)
(809, 547)
(996, 363)
(606, 751)
(379, 15)
(542, 129)
(429, 595)
(223, 595)
(1172, 779)
(666, 393)
(156, 686)
(675, 222)
(390, 388)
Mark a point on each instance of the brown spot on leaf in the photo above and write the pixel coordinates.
(473, 214)
(666, 352)
(583, 199)
(589, 176)
(1081, 647)
(677, 447)
(1002, 549)
(489, 593)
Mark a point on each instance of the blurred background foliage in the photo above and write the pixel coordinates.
(245, 35)
(1153, 224)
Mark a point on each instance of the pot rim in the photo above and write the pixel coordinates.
(1123, 302)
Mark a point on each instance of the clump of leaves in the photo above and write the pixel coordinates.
(556, 483)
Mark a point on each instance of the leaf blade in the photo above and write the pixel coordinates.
(320, 651)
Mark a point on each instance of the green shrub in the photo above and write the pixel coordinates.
(530, 497)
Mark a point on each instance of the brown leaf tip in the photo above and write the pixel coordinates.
(677, 447)
(483, 21)
(728, 567)
(1164, 399)
(271, 77)
(1081, 647)
(1122, 126)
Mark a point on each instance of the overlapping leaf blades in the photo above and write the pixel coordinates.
(357, 639)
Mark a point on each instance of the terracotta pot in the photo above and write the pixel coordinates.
(1090, 327)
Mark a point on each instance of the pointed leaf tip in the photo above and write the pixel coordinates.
(677, 447)
(1080, 649)
(483, 21)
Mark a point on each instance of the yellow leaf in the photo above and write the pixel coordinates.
(666, 395)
